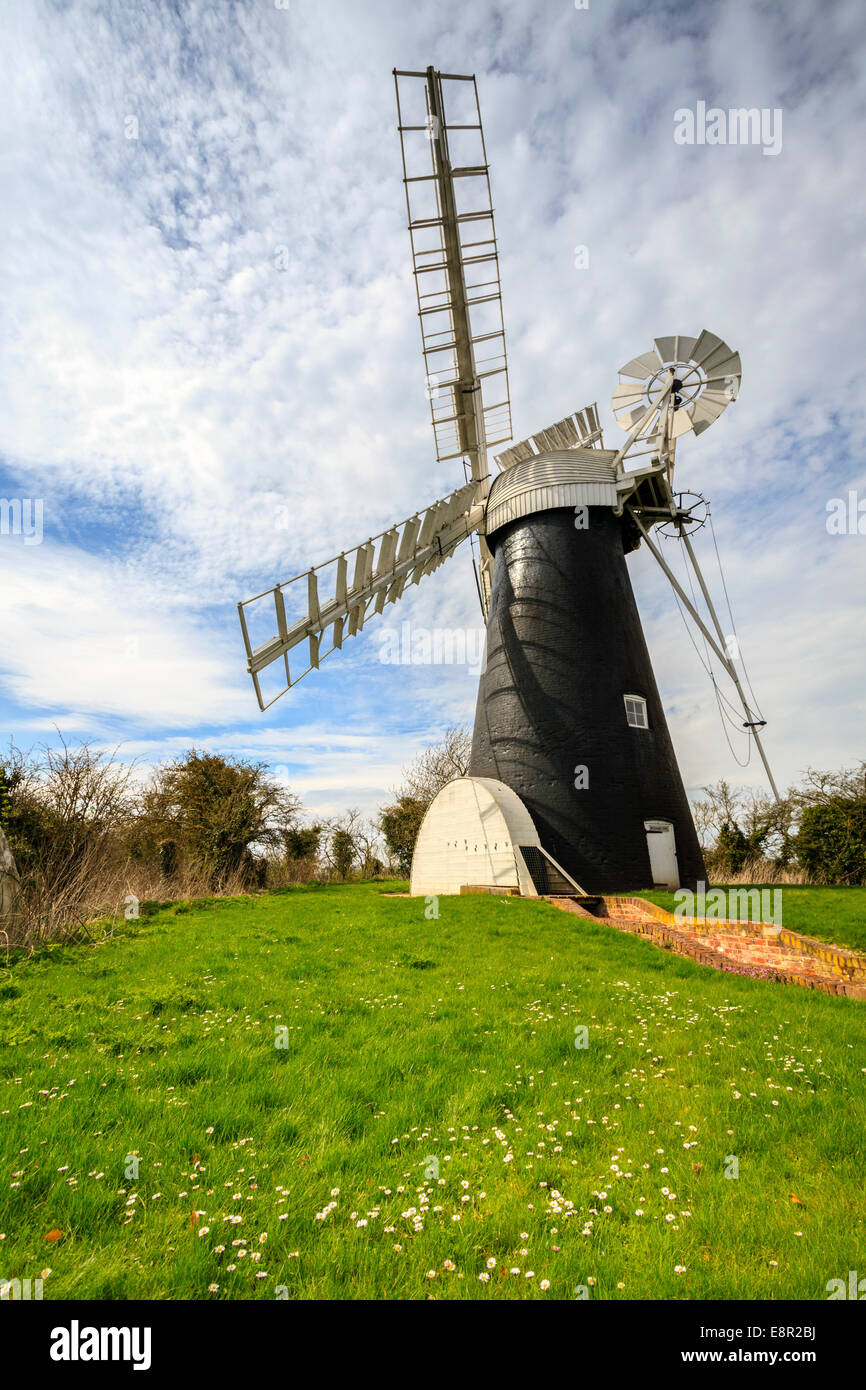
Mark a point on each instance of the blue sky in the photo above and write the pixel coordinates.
(169, 392)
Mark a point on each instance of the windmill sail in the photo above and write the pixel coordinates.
(580, 430)
(456, 264)
(318, 609)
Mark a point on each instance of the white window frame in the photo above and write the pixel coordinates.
(637, 708)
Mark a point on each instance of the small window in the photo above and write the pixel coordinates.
(635, 711)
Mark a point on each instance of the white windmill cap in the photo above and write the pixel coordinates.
(558, 478)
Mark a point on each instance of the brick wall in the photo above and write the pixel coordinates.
(757, 949)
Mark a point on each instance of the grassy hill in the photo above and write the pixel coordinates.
(428, 1115)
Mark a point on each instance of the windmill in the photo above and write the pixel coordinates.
(573, 783)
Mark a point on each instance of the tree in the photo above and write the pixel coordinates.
(301, 842)
(220, 809)
(65, 811)
(169, 859)
(720, 807)
(831, 842)
(400, 824)
(349, 840)
(731, 849)
(344, 851)
(437, 765)
(17, 794)
(5, 797)
(737, 826)
(368, 844)
(59, 804)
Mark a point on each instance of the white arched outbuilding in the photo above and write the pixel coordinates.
(470, 837)
(477, 833)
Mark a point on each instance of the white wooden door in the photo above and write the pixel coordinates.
(662, 847)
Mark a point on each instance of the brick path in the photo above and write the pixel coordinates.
(748, 948)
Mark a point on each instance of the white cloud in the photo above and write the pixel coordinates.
(85, 636)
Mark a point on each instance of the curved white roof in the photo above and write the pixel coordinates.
(559, 478)
(469, 836)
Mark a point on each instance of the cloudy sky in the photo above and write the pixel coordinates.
(211, 375)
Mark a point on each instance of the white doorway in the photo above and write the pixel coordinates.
(663, 853)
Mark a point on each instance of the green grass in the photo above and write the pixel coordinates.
(829, 914)
(412, 1043)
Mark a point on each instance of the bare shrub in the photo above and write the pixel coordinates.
(89, 849)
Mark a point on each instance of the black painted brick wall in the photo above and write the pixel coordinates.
(564, 644)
